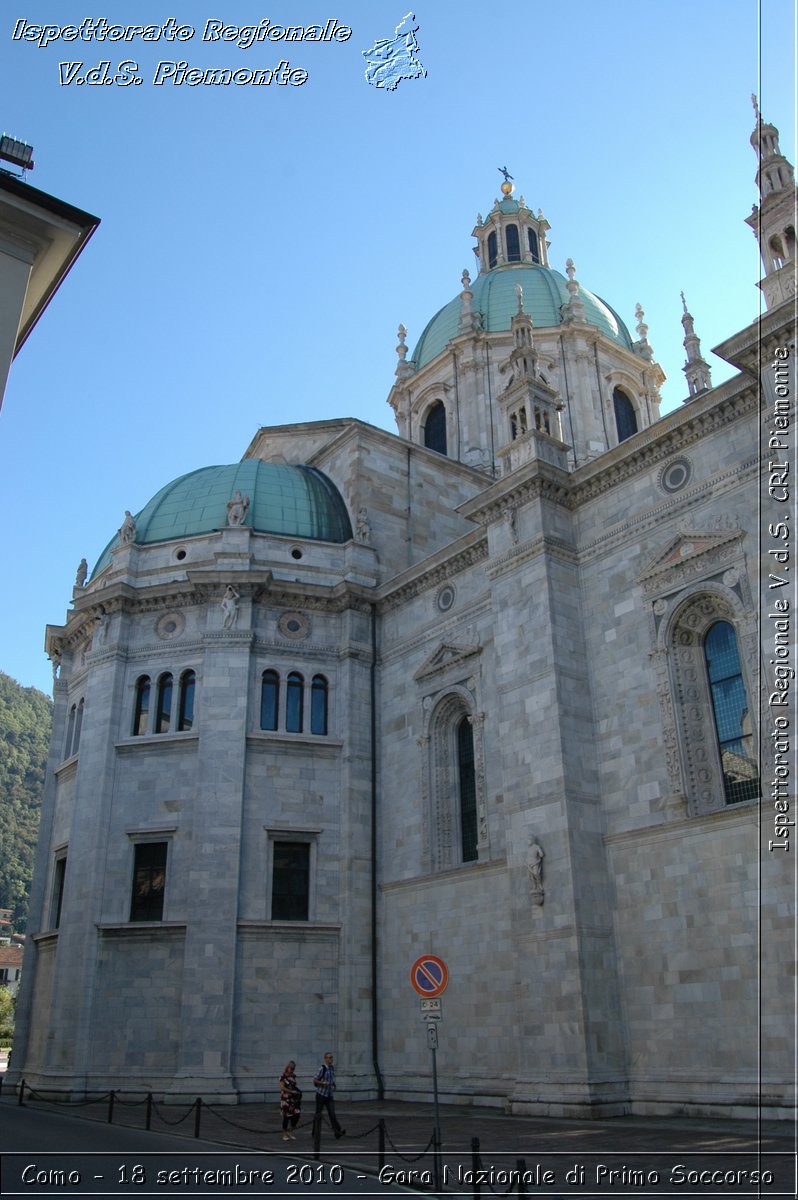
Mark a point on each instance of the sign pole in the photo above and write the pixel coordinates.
(429, 976)
(437, 1149)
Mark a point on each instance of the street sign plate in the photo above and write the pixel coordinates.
(429, 975)
(431, 1005)
(433, 1016)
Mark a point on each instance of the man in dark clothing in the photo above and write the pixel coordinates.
(324, 1084)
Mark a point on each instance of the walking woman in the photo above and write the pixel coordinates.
(290, 1101)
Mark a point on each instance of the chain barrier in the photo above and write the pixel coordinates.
(174, 1124)
(404, 1157)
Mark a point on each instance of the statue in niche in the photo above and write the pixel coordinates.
(363, 528)
(127, 530)
(230, 608)
(82, 573)
(100, 628)
(55, 659)
(237, 509)
(534, 870)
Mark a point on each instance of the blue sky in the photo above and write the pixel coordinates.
(260, 246)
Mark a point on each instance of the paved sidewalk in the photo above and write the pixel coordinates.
(656, 1156)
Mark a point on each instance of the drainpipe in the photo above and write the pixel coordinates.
(374, 962)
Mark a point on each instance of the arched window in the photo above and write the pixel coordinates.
(269, 699)
(293, 703)
(435, 428)
(513, 244)
(70, 733)
(532, 238)
(467, 790)
(789, 240)
(163, 711)
(185, 708)
(318, 705)
(731, 711)
(78, 727)
(625, 417)
(141, 713)
(492, 250)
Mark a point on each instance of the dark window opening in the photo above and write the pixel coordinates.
(435, 428)
(163, 713)
(468, 790)
(732, 715)
(149, 881)
(293, 703)
(269, 698)
(290, 881)
(58, 891)
(625, 417)
(185, 709)
(493, 246)
(142, 710)
(78, 728)
(532, 239)
(318, 705)
(513, 244)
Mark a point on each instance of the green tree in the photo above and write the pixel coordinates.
(26, 717)
(7, 1007)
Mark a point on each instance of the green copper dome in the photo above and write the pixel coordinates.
(495, 297)
(292, 501)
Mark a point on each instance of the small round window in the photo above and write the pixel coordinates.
(675, 475)
(445, 598)
(296, 552)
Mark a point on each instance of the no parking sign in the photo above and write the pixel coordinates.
(429, 975)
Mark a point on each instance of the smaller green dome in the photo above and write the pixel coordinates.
(291, 501)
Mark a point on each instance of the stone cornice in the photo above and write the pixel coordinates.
(536, 479)
(745, 349)
(467, 552)
(732, 401)
(518, 555)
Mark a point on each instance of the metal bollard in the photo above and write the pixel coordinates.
(148, 1122)
(197, 1117)
(21, 1102)
(382, 1142)
(111, 1099)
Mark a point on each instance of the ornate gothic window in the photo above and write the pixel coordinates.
(732, 714)
(318, 705)
(269, 699)
(435, 428)
(466, 786)
(141, 712)
(454, 784)
(625, 416)
(712, 720)
(185, 714)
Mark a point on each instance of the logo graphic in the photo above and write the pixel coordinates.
(390, 60)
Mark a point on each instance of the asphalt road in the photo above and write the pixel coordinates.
(50, 1154)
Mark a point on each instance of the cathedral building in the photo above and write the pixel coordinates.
(484, 689)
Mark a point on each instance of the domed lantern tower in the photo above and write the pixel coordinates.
(449, 393)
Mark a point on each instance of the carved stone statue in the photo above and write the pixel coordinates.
(534, 870)
(82, 572)
(237, 509)
(363, 528)
(55, 659)
(127, 530)
(230, 608)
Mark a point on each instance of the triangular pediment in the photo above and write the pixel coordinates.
(687, 547)
(448, 654)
